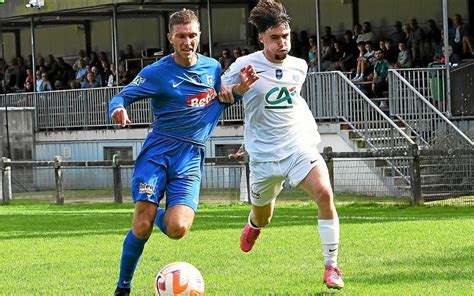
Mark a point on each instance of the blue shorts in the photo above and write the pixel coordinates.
(168, 166)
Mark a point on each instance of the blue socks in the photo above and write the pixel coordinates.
(132, 250)
(160, 219)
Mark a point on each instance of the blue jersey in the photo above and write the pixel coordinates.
(183, 99)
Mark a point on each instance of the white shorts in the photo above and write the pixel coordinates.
(267, 178)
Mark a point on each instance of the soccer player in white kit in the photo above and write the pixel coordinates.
(281, 135)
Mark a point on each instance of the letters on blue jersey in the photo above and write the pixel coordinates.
(183, 99)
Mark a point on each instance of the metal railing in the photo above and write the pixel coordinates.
(364, 119)
(428, 124)
(429, 82)
(88, 108)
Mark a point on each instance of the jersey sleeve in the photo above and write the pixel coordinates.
(142, 87)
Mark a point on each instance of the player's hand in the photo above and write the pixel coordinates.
(225, 95)
(248, 77)
(120, 116)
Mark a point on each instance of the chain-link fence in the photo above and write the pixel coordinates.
(436, 177)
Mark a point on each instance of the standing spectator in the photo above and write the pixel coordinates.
(463, 41)
(52, 68)
(129, 52)
(80, 75)
(356, 32)
(45, 83)
(29, 76)
(245, 52)
(367, 34)
(398, 35)
(28, 87)
(390, 52)
(417, 38)
(295, 45)
(95, 62)
(304, 42)
(433, 38)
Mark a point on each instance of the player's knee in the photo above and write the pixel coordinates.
(324, 196)
(177, 230)
(142, 229)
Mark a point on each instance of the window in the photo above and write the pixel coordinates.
(226, 149)
(124, 153)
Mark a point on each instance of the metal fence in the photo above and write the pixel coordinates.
(436, 177)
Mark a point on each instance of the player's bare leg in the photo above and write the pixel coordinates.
(178, 221)
(318, 185)
(259, 217)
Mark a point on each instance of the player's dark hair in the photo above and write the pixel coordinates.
(268, 14)
(182, 17)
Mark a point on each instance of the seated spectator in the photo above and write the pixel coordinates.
(97, 75)
(29, 76)
(313, 55)
(38, 78)
(129, 52)
(350, 47)
(111, 76)
(326, 55)
(390, 52)
(90, 81)
(82, 57)
(328, 36)
(404, 57)
(45, 83)
(52, 68)
(418, 39)
(379, 81)
(80, 75)
(236, 53)
(225, 59)
(95, 62)
(356, 32)
(28, 87)
(365, 62)
(339, 55)
(454, 58)
(58, 85)
(245, 51)
(65, 72)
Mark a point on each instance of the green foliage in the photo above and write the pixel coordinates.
(385, 250)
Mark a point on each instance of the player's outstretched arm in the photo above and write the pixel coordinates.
(120, 116)
(248, 77)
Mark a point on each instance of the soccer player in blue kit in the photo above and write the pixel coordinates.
(187, 99)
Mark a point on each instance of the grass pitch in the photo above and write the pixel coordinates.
(385, 250)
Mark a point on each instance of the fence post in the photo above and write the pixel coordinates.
(117, 179)
(415, 178)
(58, 177)
(327, 151)
(6, 180)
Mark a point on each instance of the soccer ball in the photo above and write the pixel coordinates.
(179, 278)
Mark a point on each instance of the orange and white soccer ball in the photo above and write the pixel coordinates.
(179, 278)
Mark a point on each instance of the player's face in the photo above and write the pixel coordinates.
(276, 43)
(185, 41)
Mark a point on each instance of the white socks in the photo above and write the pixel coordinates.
(251, 224)
(329, 235)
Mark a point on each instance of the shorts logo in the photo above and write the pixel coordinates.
(146, 188)
(255, 194)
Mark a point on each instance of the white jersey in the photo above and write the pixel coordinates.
(277, 118)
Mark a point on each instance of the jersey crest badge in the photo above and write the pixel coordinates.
(138, 80)
(279, 73)
(210, 80)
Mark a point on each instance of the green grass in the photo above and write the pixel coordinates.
(385, 250)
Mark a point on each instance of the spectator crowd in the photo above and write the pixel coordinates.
(358, 51)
